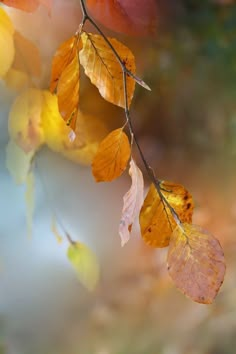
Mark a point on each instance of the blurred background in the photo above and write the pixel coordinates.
(187, 128)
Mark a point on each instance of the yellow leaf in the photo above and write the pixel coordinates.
(112, 156)
(6, 43)
(25, 126)
(16, 80)
(156, 219)
(89, 132)
(103, 69)
(196, 263)
(29, 199)
(85, 264)
(68, 92)
(27, 57)
(18, 162)
(133, 201)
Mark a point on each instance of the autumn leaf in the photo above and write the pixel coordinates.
(156, 219)
(89, 132)
(103, 69)
(27, 5)
(112, 156)
(133, 201)
(130, 17)
(6, 42)
(196, 263)
(17, 81)
(24, 125)
(18, 162)
(85, 264)
(27, 57)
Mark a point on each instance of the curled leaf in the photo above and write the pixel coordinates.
(133, 201)
(103, 69)
(196, 263)
(157, 220)
(112, 156)
(85, 264)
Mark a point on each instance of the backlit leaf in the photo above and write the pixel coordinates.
(25, 126)
(68, 92)
(29, 200)
(196, 263)
(112, 156)
(27, 58)
(156, 220)
(133, 201)
(103, 69)
(85, 264)
(6, 43)
(18, 162)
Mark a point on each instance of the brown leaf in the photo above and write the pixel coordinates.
(156, 219)
(27, 57)
(68, 92)
(196, 263)
(112, 156)
(133, 201)
(103, 69)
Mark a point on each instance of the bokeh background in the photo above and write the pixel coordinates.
(187, 129)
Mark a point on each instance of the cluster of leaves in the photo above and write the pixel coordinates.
(195, 258)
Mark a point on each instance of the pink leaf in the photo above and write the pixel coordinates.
(133, 201)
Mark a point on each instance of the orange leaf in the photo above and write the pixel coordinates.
(133, 201)
(62, 58)
(156, 219)
(112, 156)
(27, 57)
(68, 92)
(103, 69)
(27, 5)
(130, 17)
(196, 263)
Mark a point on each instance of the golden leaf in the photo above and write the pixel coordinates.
(133, 201)
(85, 264)
(25, 126)
(103, 69)
(156, 219)
(6, 43)
(196, 263)
(112, 156)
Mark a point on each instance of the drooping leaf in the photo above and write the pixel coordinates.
(29, 200)
(68, 92)
(89, 132)
(6, 42)
(156, 219)
(18, 162)
(112, 156)
(196, 263)
(103, 69)
(130, 17)
(133, 201)
(27, 5)
(27, 58)
(25, 125)
(85, 264)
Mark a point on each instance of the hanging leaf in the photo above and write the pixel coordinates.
(68, 92)
(6, 43)
(25, 126)
(27, 5)
(29, 200)
(18, 162)
(103, 69)
(112, 156)
(27, 58)
(156, 219)
(133, 201)
(196, 263)
(85, 264)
